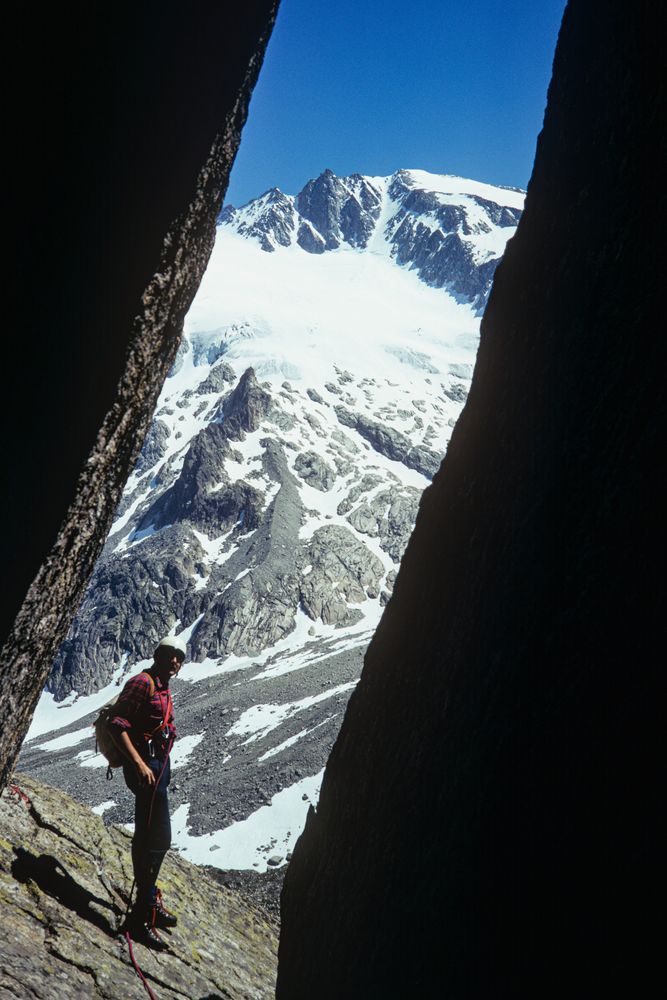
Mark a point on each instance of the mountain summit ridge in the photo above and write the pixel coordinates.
(446, 227)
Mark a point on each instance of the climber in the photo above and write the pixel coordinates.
(143, 727)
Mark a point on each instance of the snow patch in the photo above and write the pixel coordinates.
(68, 740)
(183, 749)
(103, 806)
(258, 721)
(271, 830)
(293, 739)
(88, 758)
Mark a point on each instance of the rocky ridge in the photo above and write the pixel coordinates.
(64, 883)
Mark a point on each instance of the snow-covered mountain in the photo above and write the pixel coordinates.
(452, 232)
(326, 358)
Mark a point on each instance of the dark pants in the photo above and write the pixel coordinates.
(152, 827)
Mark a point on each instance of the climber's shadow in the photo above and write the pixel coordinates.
(53, 879)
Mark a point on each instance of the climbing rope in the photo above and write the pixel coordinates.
(127, 935)
(19, 794)
(137, 967)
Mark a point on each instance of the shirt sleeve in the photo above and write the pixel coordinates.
(132, 699)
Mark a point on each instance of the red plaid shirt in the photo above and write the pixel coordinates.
(141, 715)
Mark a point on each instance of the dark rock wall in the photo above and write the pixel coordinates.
(490, 818)
(122, 134)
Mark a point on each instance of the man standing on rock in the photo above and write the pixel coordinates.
(143, 727)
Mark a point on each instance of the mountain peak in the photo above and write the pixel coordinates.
(273, 195)
(452, 231)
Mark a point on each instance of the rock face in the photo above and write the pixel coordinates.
(442, 254)
(154, 445)
(341, 212)
(64, 885)
(490, 823)
(152, 179)
(343, 571)
(314, 471)
(392, 443)
(274, 225)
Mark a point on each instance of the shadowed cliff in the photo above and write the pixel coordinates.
(490, 819)
(123, 123)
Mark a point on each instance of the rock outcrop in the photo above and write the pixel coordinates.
(491, 818)
(441, 254)
(64, 885)
(312, 468)
(392, 443)
(340, 570)
(339, 211)
(390, 517)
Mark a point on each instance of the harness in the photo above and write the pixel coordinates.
(167, 711)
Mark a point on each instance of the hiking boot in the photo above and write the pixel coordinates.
(142, 929)
(163, 916)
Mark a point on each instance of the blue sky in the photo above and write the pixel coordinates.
(371, 87)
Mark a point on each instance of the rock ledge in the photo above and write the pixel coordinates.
(64, 879)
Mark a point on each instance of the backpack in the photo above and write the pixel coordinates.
(104, 740)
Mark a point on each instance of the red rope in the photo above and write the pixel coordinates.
(127, 933)
(137, 968)
(19, 793)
